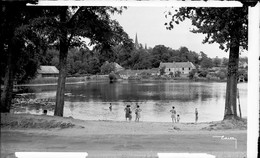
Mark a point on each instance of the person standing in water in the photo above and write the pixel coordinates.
(178, 118)
(128, 112)
(110, 107)
(137, 113)
(196, 115)
(173, 114)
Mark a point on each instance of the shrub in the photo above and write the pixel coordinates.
(171, 74)
(145, 75)
(177, 74)
(192, 73)
(162, 70)
(222, 74)
(203, 73)
(107, 68)
(112, 76)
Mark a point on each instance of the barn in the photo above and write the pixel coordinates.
(47, 71)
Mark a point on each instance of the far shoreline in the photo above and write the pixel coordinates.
(121, 80)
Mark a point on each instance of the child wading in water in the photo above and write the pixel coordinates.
(196, 115)
(137, 113)
(173, 111)
(178, 118)
(128, 112)
(110, 107)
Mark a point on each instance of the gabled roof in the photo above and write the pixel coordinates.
(117, 66)
(177, 65)
(48, 70)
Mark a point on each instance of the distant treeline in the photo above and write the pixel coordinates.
(85, 61)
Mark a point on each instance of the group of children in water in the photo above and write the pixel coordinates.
(176, 118)
(128, 113)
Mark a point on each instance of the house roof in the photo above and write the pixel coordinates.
(48, 70)
(117, 66)
(177, 65)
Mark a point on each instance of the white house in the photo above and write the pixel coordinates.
(182, 67)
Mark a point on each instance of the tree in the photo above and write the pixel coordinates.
(184, 54)
(124, 52)
(66, 25)
(162, 70)
(228, 28)
(224, 62)
(18, 47)
(216, 62)
(160, 53)
(107, 68)
(206, 63)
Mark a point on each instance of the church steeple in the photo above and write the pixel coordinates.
(136, 42)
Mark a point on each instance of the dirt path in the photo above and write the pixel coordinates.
(122, 139)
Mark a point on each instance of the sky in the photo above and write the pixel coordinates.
(148, 24)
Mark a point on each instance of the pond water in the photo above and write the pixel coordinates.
(90, 100)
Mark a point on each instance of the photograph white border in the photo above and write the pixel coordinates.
(253, 46)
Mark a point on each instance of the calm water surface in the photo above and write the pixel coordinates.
(90, 100)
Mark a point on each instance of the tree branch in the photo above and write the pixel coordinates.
(73, 18)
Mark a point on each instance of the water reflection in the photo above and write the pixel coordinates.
(91, 100)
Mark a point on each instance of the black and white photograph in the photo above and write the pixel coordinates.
(129, 79)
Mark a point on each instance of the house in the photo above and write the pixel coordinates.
(48, 71)
(182, 67)
(118, 67)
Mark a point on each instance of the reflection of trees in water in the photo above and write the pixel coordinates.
(206, 94)
(160, 107)
(38, 89)
(135, 91)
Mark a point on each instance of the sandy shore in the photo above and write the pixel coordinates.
(26, 132)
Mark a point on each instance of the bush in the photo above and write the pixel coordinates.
(203, 73)
(107, 68)
(171, 74)
(162, 70)
(112, 76)
(145, 75)
(177, 74)
(222, 74)
(192, 73)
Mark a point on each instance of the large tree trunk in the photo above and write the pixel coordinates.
(63, 66)
(231, 88)
(6, 95)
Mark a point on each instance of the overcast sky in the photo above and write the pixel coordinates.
(148, 23)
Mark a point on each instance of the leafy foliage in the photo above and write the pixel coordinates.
(162, 70)
(228, 28)
(107, 68)
(217, 23)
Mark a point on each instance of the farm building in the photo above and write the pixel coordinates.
(48, 71)
(118, 67)
(182, 67)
